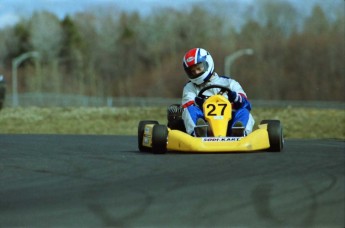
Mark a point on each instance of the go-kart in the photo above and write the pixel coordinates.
(158, 138)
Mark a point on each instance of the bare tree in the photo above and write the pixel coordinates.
(107, 52)
(46, 34)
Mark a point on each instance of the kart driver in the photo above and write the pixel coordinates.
(199, 66)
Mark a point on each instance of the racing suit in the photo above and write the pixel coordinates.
(240, 106)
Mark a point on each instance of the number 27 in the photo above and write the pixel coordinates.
(213, 107)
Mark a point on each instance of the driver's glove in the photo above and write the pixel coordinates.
(199, 101)
(234, 97)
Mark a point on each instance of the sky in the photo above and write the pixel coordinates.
(11, 11)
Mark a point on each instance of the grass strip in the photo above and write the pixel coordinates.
(297, 122)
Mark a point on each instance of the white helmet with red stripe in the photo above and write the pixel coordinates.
(201, 60)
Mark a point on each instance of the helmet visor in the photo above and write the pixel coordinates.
(197, 70)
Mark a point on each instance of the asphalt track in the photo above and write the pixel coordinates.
(96, 181)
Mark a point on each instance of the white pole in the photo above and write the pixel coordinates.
(232, 57)
(15, 63)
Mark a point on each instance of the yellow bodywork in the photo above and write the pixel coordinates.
(217, 110)
(183, 142)
(257, 140)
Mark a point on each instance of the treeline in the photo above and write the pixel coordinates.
(112, 53)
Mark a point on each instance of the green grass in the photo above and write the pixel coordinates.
(297, 122)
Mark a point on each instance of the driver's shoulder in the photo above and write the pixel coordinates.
(189, 87)
(223, 80)
(224, 77)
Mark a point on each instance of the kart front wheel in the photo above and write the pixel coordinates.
(159, 139)
(275, 135)
(141, 128)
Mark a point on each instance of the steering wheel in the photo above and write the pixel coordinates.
(223, 90)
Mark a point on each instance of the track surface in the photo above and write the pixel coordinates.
(92, 181)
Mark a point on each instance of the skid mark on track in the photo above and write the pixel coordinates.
(113, 218)
(261, 197)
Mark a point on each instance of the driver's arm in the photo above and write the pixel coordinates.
(188, 96)
(238, 97)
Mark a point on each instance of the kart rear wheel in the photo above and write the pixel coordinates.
(275, 135)
(175, 121)
(141, 128)
(159, 139)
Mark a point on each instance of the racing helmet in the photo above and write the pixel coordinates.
(199, 65)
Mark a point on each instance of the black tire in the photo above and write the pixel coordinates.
(159, 139)
(141, 128)
(275, 135)
(177, 124)
(2, 96)
(174, 116)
